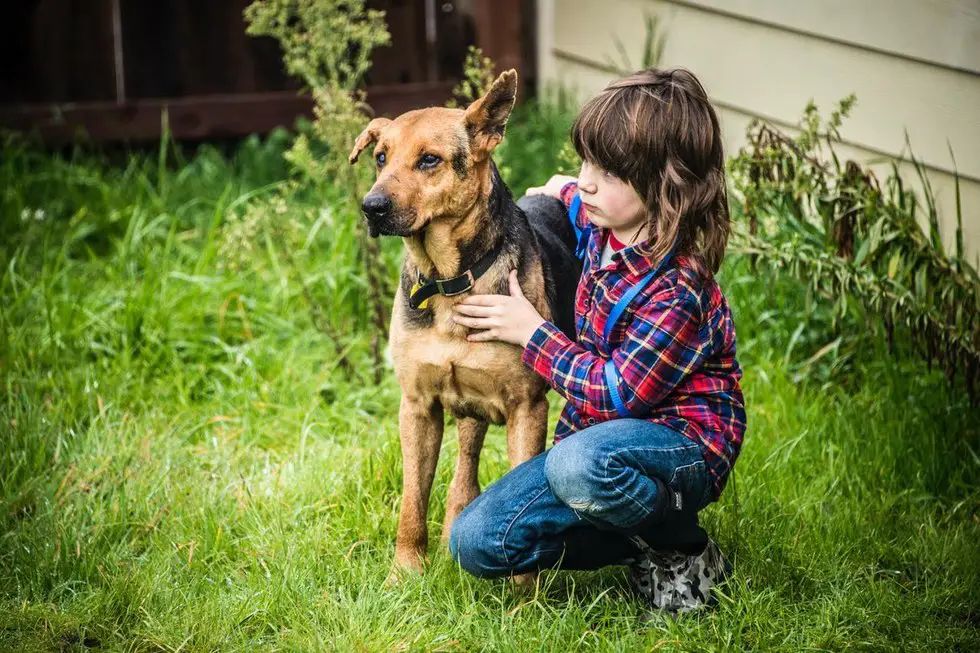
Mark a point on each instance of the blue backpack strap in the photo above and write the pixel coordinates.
(628, 296)
(581, 235)
(612, 377)
(611, 380)
(573, 210)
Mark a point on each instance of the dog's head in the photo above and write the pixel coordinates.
(433, 163)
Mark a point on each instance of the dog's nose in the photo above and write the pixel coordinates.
(376, 205)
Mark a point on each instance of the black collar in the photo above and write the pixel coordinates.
(455, 285)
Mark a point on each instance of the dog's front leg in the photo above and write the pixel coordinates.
(527, 429)
(465, 486)
(420, 426)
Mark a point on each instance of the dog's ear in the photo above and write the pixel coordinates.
(368, 136)
(486, 118)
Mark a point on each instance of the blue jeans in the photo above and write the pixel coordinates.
(576, 505)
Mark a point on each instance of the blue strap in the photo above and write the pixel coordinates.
(612, 377)
(581, 235)
(611, 380)
(573, 210)
(628, 296)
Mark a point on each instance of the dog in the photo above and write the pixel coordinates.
(438, 188)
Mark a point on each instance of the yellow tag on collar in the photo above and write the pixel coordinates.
(424, 304)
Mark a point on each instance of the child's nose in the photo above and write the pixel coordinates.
(586, 185)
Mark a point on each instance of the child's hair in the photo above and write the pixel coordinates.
(657, 131)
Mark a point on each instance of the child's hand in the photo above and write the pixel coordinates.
(510, 318)
(552, 188)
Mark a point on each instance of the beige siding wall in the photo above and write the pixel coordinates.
(914, 65)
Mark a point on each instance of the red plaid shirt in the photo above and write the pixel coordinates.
(673, 349)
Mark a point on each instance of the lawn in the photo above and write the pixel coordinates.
(186, 467)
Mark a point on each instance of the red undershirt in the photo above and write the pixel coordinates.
(615, 242)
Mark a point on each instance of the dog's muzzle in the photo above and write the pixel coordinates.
(381, 216)
(377, 209)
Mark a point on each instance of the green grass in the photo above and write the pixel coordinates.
(184, 466)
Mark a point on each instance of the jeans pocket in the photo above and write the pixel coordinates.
(691, 481)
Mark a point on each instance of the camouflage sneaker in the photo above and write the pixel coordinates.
(675, 582)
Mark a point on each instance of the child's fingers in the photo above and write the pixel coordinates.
(478, 311)
(475, 322)
(483, 300)
(481, 336)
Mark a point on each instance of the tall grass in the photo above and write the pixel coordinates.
(184, 466)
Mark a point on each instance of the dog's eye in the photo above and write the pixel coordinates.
(380, 159)
(427, 161)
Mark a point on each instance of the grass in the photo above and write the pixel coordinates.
(184, 467)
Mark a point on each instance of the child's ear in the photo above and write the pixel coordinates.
(486, 118)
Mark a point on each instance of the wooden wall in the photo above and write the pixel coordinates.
(111, 67)
(914, 65)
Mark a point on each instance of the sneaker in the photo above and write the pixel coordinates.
(676, 582)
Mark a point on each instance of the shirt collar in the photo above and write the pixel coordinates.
(637, 259)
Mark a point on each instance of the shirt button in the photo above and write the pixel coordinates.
(590, 421)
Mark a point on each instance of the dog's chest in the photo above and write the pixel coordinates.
(480, 380)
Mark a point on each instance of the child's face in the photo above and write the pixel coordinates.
(609, 201)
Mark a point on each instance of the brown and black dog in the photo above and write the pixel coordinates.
(438, 189)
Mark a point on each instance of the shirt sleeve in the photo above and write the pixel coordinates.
(567, 194)
(662, 346)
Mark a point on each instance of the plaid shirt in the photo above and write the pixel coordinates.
(673, 349)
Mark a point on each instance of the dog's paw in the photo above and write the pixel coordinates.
(404, 567)
(398, 575)
(524, 580)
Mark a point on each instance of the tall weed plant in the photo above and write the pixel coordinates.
(857, 244)
(328, 45)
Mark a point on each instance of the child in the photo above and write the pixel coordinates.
(655, 415)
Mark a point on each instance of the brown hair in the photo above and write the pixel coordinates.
(656, 130)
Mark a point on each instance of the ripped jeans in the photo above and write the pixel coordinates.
(575, 505)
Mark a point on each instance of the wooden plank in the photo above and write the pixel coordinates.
(268, 67)
(528, 68)
(499, 32)
(455, 32)
(942, 32)
(199, 117)
(404, 60)
(19, 76)
(210, 44)
(772, 73)
(399, 98)
(69, 50)
(188, 48)
(150, 49)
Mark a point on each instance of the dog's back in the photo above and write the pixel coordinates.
(556, 241)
